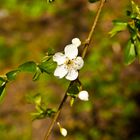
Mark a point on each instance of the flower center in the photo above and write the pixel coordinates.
(69, 63)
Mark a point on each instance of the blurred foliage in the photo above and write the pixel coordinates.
(132, 50)
(28, 28)
(41, 110)
(47, 65)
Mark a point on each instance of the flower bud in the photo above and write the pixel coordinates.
(76, 42)
(63, 131)
(83, 95)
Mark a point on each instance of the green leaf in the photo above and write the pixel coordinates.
(12, 75)
(138, 48)
(29, 66)
(50, 51)
(2, 92)
(73, 90)
(47, 65)
(129, 54)
(41, 115)
(2, 81)
(118, 26)
(37, 99)
(135, 10)
(37, 74)
(49, 112)
(72, 101)
(92, 1)
(37, 115)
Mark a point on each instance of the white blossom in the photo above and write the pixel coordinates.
(68, 63)
(83, 95)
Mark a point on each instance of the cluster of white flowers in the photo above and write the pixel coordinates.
(68, 63)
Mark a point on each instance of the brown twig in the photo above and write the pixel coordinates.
(57, 113)
(87, 43)
(89, 38)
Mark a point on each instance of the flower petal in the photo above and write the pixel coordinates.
(83, 95)
(78, 63)
(72, 74)
(60, 71)
(71, 51)
(60, 58)
(76, 42)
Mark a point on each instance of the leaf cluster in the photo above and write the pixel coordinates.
(41, 110)
(132, 50)
(47, 65)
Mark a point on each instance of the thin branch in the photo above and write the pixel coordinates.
(87, 43)
(88, 40)
(57, 113)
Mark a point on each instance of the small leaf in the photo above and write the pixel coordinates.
(50, 51)
(12, 75)
(72, 101)
(47, 65)
(129, 54)
(2, 81)
(118, 26)
(37, 74)
(37, 115)
(41, 115)
(2, 92)
(73, 90)
(138, 48)
(135, 10)
(92, 1)
(50, 112)
(29, 66)
(37, 99)
(39, 108)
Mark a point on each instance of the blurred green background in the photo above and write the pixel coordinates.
(27, 29)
